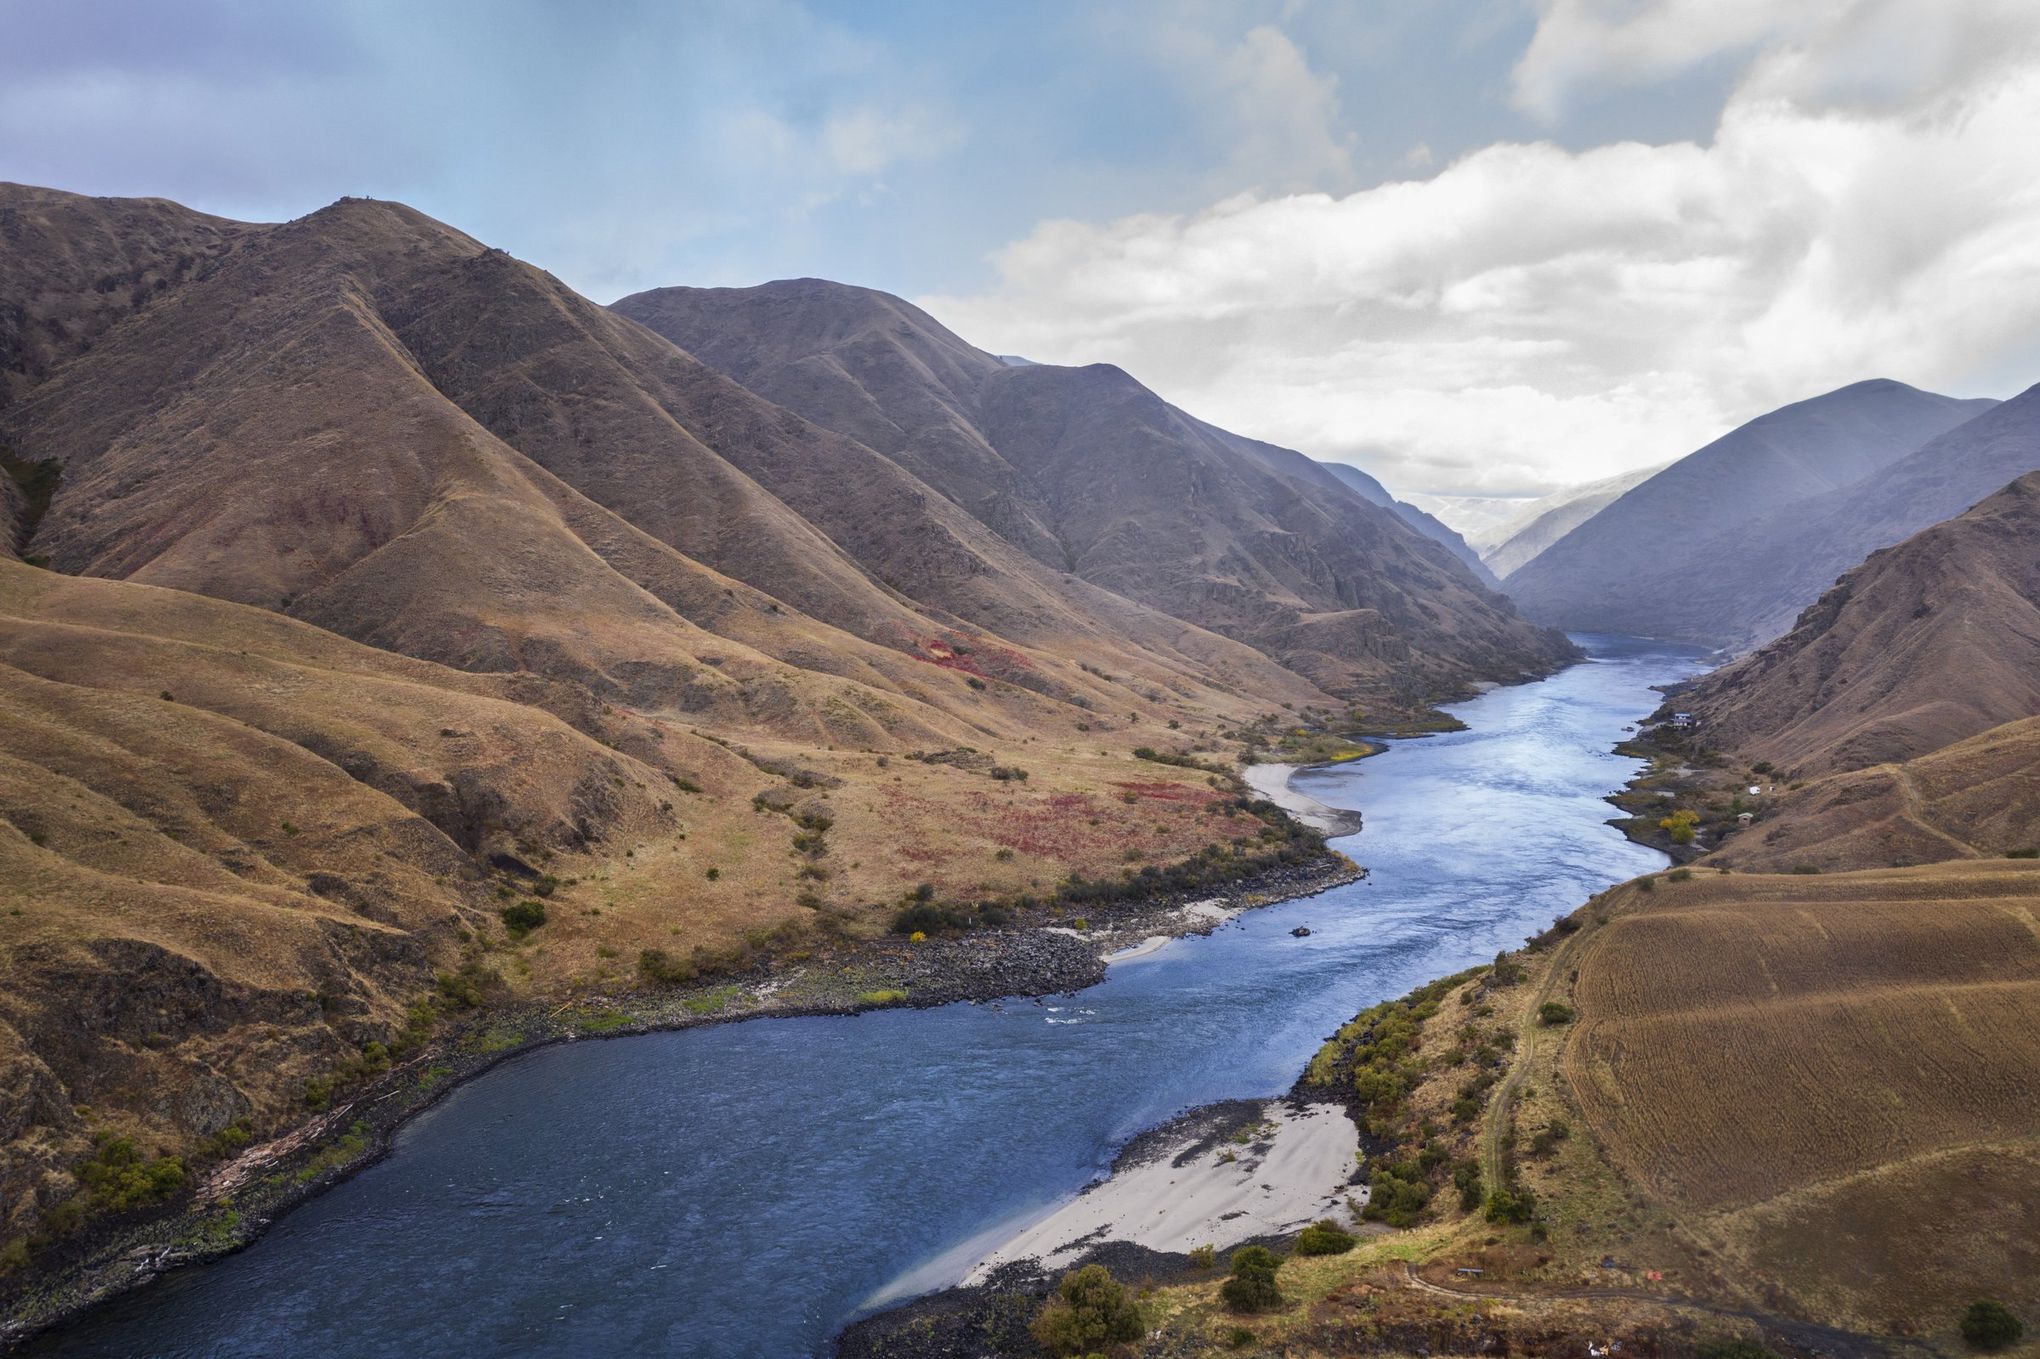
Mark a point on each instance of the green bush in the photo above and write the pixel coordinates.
(1991, 1326)
(1466, 1179)
(661, 968)
(1324, 1238)
(1511, 1206)
(1204, 1257)
(523, 917)
(1396, 1195)
(1252, 1286)
(119, 1176)
(1554, 1012)
(1090, 1311)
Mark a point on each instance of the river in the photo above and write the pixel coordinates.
(746, 1190)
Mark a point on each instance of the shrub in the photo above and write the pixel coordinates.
(523, 917)
(1991, 1326)
(1204, 1257)
(1252, 1285)
(1397, 1196)
(1554, 1012)
(1324, 1238)
(1680, 875)
(1806, 868)
(1090, 1311)
(1511, 1206)
(1680, 826)
(1238, 1338)
(661, 968)
(119, 1176)
(1466, 1179)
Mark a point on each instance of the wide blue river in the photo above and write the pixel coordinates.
(748, 1189)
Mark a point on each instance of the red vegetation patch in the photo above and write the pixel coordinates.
(1170, 792)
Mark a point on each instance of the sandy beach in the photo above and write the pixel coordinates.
(1215, 1177)
(1271, 781)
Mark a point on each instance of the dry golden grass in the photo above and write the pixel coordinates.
(1978, 798)
(1813, 1072)
(236, 849)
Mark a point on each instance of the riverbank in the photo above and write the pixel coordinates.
(240, 1199)
(1271, 781)
(1217, 1176)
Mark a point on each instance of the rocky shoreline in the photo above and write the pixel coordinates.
(239, 1200)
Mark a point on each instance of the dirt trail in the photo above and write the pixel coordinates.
(1916, 812)
(1530, 1035)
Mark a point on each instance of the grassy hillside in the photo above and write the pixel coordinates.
(248, 861)
(1798, 1111)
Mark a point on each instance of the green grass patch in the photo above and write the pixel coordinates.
(887, 996)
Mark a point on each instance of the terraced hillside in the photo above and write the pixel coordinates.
(1831, 1081)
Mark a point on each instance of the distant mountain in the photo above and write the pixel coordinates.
(1515, 543)
(1482, 520)
(1432, 527)
(1090, 473)
(1672, 557)
(1922, 645)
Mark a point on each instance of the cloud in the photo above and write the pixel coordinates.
(1531, 316)
(1813, 51)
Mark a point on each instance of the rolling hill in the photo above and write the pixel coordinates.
(1727, 543)
(1089, 473)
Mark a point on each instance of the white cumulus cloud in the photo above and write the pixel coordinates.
(1531, 316)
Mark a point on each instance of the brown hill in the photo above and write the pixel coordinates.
(1830, 1082)
(1975, 799)
(1923, 644)
(1089, 472)
(392, 577)
(1678, 556)
(279, 431)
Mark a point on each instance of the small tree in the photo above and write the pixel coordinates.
(1991, 1326)
(1252, 1285)
(1680, 826)
(1554, 1012)
(523, 917)
(1089, 1312)
(1324, 1238)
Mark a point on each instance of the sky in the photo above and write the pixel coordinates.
(1477, 247)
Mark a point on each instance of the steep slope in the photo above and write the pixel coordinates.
(1424, 522)
(288, 430)
(1659, 560)
(1923, 644)
(73, 267)
(1088, 472)
(1546, 520)
(1770, 569)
